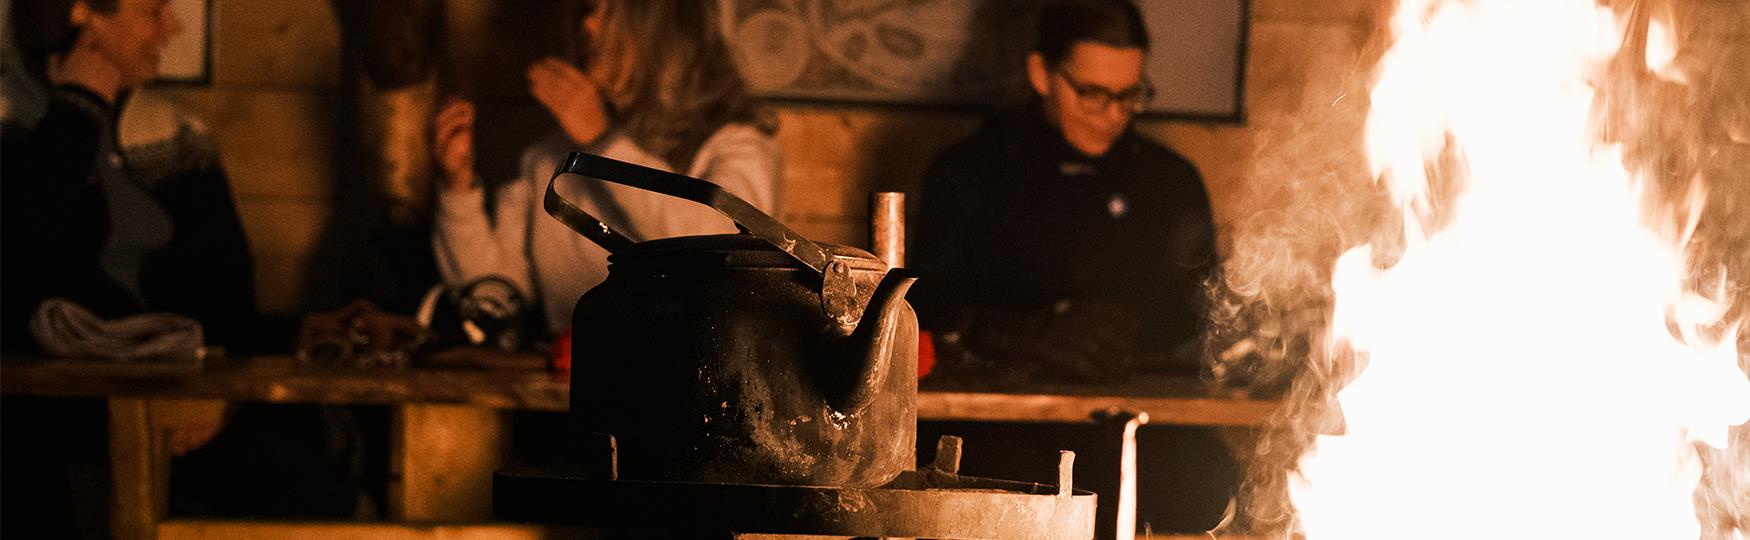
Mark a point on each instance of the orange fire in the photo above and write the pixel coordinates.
(1532, 363)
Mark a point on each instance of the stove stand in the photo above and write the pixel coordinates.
(935, 502)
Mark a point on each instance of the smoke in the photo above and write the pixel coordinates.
(1271, 303)
(1682, 117)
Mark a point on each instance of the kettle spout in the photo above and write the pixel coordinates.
(867, 354)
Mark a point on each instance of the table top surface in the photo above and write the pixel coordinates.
(1167, 399)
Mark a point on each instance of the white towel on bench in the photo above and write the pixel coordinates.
(67, 329)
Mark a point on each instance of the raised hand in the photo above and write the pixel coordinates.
(453, 143)
(189, 423)
(573, 99)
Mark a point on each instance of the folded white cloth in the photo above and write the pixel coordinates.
(67, 329)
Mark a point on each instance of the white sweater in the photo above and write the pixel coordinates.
(547, 260)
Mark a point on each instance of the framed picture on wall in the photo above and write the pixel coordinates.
(188, 56)
(970, 53)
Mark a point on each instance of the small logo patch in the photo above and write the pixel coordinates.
(1117, 206)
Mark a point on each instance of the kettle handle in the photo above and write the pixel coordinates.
(745, 215)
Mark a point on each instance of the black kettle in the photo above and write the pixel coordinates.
(760, 357)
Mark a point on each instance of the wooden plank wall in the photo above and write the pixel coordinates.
(273, 106)
(275, 95)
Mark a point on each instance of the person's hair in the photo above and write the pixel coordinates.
(1064, 23)
(679, 84)
(44, 28)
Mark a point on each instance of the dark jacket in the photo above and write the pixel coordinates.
(1014, 218)
(55, 223)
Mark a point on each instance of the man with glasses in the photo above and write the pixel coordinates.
(1057, 244)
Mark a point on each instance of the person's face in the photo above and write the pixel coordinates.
(133, 37)
(607, 73)
(592, 23)
(1092, 94)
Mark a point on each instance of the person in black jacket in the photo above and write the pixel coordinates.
(1059, 245)
(152, 228)
(125, 222)
(1057, 239)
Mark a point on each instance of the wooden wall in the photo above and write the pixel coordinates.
(274, 105)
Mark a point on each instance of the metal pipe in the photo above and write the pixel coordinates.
(947, 455)
(887, 226)
(1127, 476)
(1123, 515)
(1066, 467)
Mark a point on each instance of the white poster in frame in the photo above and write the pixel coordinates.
(187, 57)
(969, 53)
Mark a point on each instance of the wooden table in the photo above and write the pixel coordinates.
(446, 478)
(1168, 399)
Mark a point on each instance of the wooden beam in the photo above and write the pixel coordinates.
(279, 379)
(198, 529)
(1191, 411)
(1180, 400)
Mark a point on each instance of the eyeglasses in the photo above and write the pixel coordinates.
(1095, 99)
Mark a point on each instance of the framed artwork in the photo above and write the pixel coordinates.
(188, 56)
(970, 53)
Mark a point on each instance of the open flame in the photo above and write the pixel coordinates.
(1534, 360)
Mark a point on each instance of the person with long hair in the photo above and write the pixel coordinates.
(661, 91)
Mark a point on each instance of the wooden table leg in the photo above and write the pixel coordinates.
(139, 468)
(443, 457)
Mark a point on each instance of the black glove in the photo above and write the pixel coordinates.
(1088, 341)
(1076, 341)
(979, 345)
